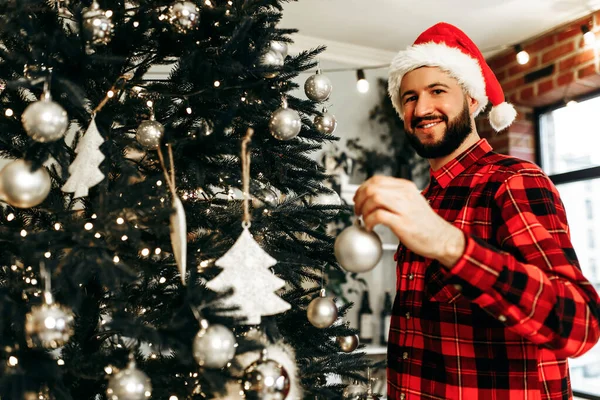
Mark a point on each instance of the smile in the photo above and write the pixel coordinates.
(429, 125)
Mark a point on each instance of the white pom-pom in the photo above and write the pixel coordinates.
(502, 116)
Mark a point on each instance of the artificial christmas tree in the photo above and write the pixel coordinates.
(125, 260)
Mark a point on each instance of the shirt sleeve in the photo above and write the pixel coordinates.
(532, 283)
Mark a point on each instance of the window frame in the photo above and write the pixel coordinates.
(584, 174)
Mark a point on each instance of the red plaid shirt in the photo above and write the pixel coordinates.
(501, 323)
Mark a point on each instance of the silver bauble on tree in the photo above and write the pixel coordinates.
(348, 343)
(322, 311)
(265, 197)
(325, 123)
(183, 16)
(358, 250)
(330, 198)
(48, 325)
(280, 47)
(214, 345)
(149, 134)
(318, 87)
(265, 380)
(129, 384)
(21, 186)
(97, 25)
(273, 60)
(354, 392)
(285, 123)
(45, 120)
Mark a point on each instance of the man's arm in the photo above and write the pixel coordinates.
(533, 283)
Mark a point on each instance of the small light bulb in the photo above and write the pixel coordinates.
(136, 24)
(110, 94)
(188, 110)
(124, 238)
(149, 103)
(27, 280)
(217, 83)
(60, 362)
(13, 267)
(57, 226)
(10, 217)
(9, 112)
(522, 57)
(116, 259)
(23, 233)
(94, 216)
(162, 279)
(97, 235)
(362, 85)
(120, 221)
(12, 361)
(34, 281)
(145, 252)
(47, 254)
(108, 369)
(230, 3)
(157, 251)
(108, 13)
(88, 226)
(158, 183)
(208, 3)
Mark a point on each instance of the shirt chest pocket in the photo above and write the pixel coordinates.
(436, 288)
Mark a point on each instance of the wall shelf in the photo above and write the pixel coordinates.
(374, 350)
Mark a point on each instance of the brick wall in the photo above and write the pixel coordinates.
(572, 70)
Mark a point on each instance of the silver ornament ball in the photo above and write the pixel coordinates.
(22, 187)
(273, 60)
(348, 343)
(45, 120)
(285, 123)
(265, 198)
(149, 134)
(184, 16)
(129, 384)
(266, 380)
(97, 26)
(326, 199)
(357, 250)
(322, 311)
(49, 326)
(318, 87)
(354, 392)
(214, 346)
(280, 47)
(325, 123)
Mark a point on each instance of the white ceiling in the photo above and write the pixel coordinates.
(370, 32)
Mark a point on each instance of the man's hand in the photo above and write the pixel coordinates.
(398, 204)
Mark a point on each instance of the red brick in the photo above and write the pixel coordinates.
(568, 32)
(499, 141)
(526, 93)
(565, 79)
(512, 84)
(517, 69)
(522, 127)
(586, 71)
(557, 52)
(540, 44)
(576, 60)
(545, 86)
(500, 61)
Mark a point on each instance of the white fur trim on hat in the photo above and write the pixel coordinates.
(502, 115)
(460, 66)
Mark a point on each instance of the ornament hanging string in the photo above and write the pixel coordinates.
(169, 177)
(246, 176)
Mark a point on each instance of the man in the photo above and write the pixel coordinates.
(490, 298)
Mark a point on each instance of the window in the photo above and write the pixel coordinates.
(568, 141)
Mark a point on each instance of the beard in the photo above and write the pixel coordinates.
(457, 131)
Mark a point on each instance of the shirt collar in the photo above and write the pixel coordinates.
(456, 166)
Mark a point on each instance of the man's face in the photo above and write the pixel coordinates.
(436, 112)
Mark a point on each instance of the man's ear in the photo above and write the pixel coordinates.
(473, 104)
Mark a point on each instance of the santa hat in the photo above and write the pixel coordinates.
(447, 47)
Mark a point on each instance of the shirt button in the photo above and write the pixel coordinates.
(458, 287)
(501, 318)
(407, 315)
(402, 396)
(404, 355)
(411, 277)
